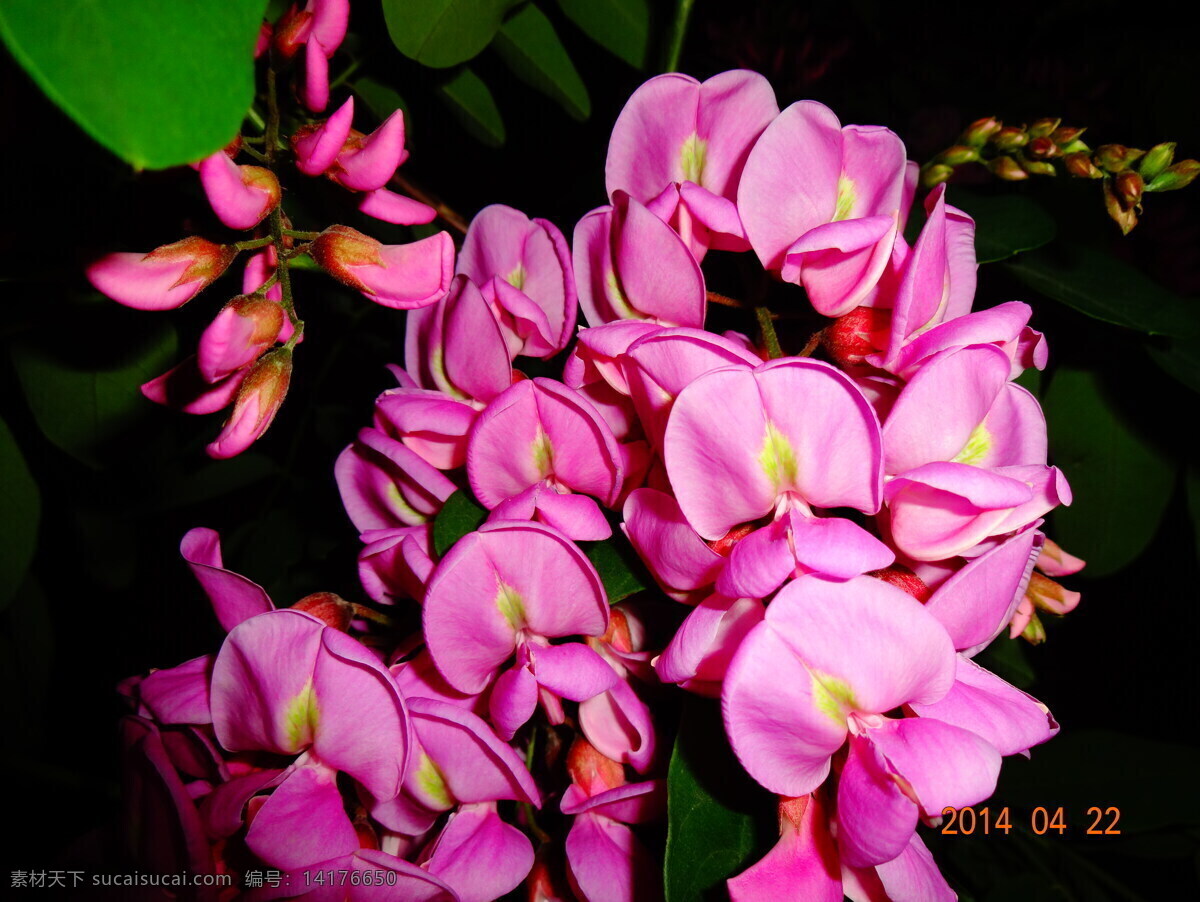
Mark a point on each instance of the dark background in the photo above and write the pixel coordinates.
(108, 595)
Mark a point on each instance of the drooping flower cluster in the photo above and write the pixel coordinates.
(244, 357)
(832, 536)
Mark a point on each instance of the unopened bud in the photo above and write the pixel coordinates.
(979, 131)
(591, 771)
(241, 332)
(935, 174)
(332, 609)
(258, 400)
(1066, 135)
(1116, 158)
(1034, 632)
(1129, 186)
(1008, 169)
(1157, 158)
(1174, 177)
(1124, 217)
(165, 278)
(904, 579)
(340, 248)
(1081, 166)
(1010, 138)
(958, 154)
(1043, 127)
(1047, 595)
(1038, 167)
(1055, 561)
(291, 31)
(1041, 148)
(855, 335)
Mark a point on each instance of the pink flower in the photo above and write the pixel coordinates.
(241, 196)
(629, 264)
(400, 276)
(523, 267)
(822, 203)
(258, 400)
(166, 278)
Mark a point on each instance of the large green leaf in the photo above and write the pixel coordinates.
(1005, 224)
(1120, 481)
(20, 510)
(529, 45)
(472, 103)
(82, 407)
(620, 569)
(620, 26)
(717, 817)
(441, 33)
(157, 82)
(383, 100)
(1106, 288)
(460, 515)
(1178, 359)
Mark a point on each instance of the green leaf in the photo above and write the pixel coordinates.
(1105, 288)
(717, 817)
(473, 105)
(619, 26)
(460, 515)
(82, 409)
(620, 569)
(22, 507)
(442, 33)
(1120, 481)
(157, 82)
(383, 100)
(1005, 224)
(1178, 359)
(529, 45)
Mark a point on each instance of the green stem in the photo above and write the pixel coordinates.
(346, 73)
(770, 339)
(253, 243)
(679, 25)
(303, 236)
(256, 117)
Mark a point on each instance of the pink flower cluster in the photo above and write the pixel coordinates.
(840, 537)
(237, 362)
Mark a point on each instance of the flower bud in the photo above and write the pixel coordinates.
(258, 400)
(855, 335)
(241, 196)
(1010, 138)
(591, 771)
(1081, 166)
(904, 579)
(290, 32)
(166, 278)
(1034, 632)
(1043, 127)
(1047, 595)
(935, 174)
(1065, 135)
(332, 609)
(1157, 159)
(980, 131)
(1174, 177)
(1037, 167)
(1128, 187)
(401, 276)
(958, 154)
(1042, 148)
(317, 145)
(1116, 158)
(1123, 216)
(1008, 169)
(240, 333)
